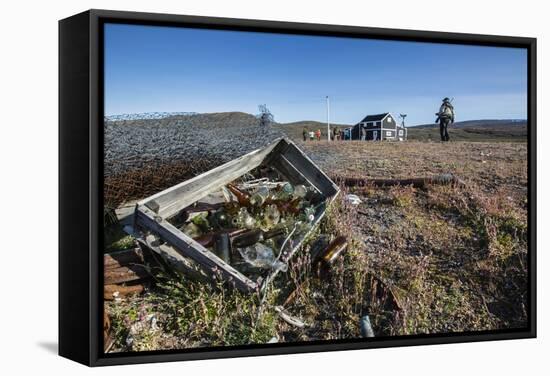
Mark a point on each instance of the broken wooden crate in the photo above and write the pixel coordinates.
(152, 214)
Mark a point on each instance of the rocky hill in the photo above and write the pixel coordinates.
(132, 144)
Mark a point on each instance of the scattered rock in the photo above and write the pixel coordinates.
(353, 199)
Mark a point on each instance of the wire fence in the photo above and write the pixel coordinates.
(142, 182)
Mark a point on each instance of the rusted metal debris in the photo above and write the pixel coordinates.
(322, 259)
(111, 292)
(329, 255)
(382, 292)
(123, 258)
(124, 274)
(123, 267)
(324, 255)
(442, 179)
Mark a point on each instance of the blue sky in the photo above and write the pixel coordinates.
(150, 68)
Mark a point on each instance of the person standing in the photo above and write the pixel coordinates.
(445, 118)
(363, 133)
(304, 133)
(318, 134)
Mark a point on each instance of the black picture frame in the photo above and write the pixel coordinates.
(80, 185)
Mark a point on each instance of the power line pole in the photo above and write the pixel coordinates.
(403, 116)
(328, 119)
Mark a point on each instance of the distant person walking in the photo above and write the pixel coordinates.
(311, 135)
(318, 134)
(363, 133)
(305, 133)
(445, 117)
(335, 134)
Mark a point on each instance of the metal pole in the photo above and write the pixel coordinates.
(328, 118)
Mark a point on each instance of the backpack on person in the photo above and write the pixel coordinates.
(446, 111)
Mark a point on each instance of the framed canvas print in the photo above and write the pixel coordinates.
(236, 187)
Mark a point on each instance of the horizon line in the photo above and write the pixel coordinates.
(163, 114)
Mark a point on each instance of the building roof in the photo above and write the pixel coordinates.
(374, 117)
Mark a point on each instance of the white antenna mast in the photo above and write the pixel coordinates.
(403, 116)
(328, 119)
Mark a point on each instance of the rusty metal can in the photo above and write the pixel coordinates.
(333, 250)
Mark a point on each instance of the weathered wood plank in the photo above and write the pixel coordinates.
(119, 259)
(125, 213)
(124, 274)
(311, 172)
(174, 259)
(283, 166)
(282, 155)
(442, 179)
(173, 199)
(110, 292)
(190, 248)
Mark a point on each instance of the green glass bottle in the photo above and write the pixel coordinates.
(201, 220)
(272, 215)
(300, 191)
(244, 219)
(221, 219)
(222, 247)
(309, 213)
(192, 230)
(259, 196)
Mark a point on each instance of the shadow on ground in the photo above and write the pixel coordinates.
(50, 347)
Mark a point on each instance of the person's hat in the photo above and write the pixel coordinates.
(446, 99)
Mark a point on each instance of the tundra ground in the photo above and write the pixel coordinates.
(443, 258)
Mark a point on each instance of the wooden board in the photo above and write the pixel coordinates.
(125, 213)
(110, 292)
(172, 200)
(119, 259)
(124, 274)
(309, 170)
(190, 248)
(152, 212)
(174, 259)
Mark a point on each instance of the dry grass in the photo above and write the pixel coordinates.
(433, 260)
(151, 178)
